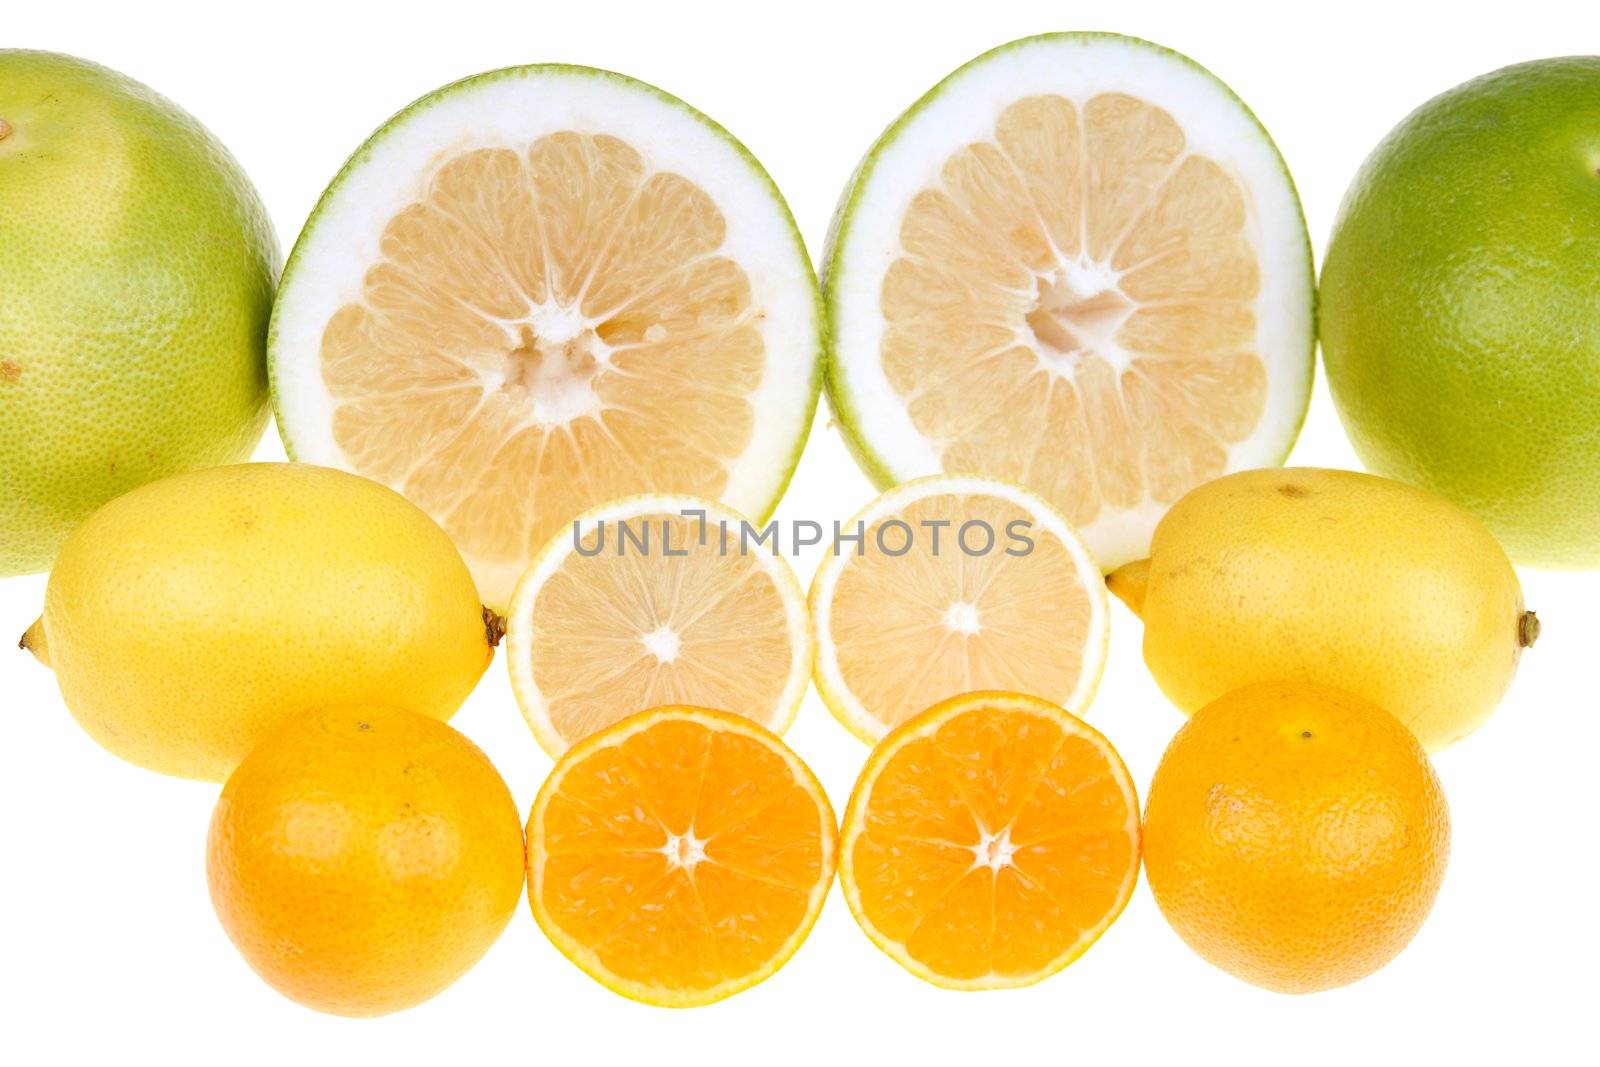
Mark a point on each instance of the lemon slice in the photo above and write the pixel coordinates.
(540, 289)
(958, 584)
(1078, 264)
(651, 601)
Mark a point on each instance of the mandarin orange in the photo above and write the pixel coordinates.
(364, 859)
(680, 855)
(1295, 836)
(990, 841)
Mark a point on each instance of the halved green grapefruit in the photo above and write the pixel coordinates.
(540, 289)
(1077, 264)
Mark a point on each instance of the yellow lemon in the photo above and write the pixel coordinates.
(1334, 577)
(188, 618)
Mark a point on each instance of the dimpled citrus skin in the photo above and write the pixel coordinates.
(363, 859)
(137, 265)
(1295, 836)
(188, 618)
(1335, 577)
(1460, 327)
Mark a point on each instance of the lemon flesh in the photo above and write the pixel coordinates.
(992, 589)
(1078, 264)
(137, 266)
(647, 602)
(542, 289)
(188, 618)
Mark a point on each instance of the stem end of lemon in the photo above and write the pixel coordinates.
(1128, 584)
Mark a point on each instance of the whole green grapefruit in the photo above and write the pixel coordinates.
(1461, 306)
(137, 266)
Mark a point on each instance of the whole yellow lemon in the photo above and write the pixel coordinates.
(363, 859)
(188, 618)
(1334, 577)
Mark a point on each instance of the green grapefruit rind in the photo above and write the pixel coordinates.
(399, 120)
(1460, 332)
(845, 411)
(138, 264)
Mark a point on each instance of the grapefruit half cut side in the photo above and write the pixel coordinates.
(1077, 264)
(540, 289)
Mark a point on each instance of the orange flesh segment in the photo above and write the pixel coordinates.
(1073, 308)
(603, 623)
(546, 330)
(995, 846)
(685, 857)
(909, 631)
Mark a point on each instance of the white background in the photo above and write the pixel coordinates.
(108, 946)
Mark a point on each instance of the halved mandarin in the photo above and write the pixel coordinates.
(651, 601)
(958, 584)
(540, 289)
(1077, 264)
(990, 841)
(680, 856)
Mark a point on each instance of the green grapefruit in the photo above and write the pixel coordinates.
(137, 267)
(1461, 306)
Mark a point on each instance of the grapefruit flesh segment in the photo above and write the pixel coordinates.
(990, 841)
(646, 608)
(680, 856)
(545, 330)
(1077, 264)
(1083, 280)
(898, 633)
